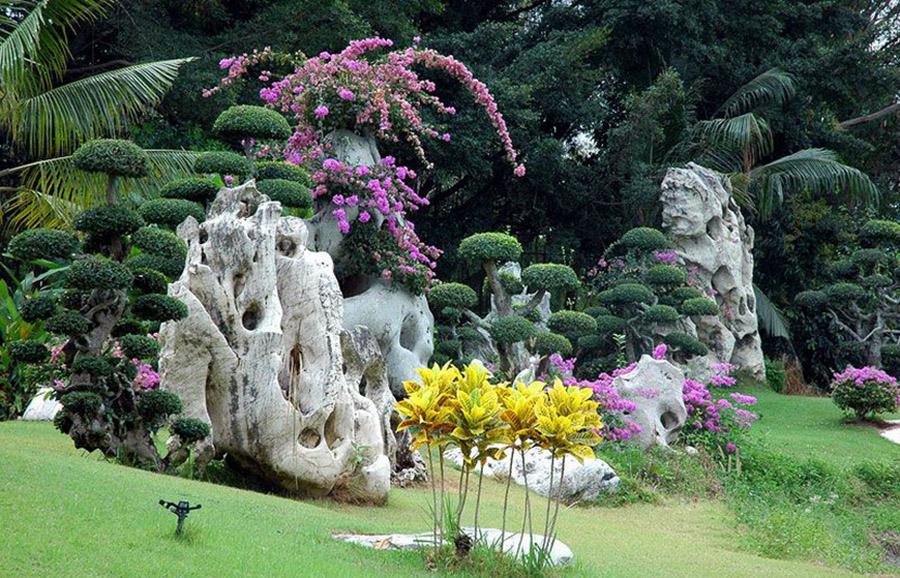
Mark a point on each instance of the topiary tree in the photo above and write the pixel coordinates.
(513, 328)
(170, 213)
(199, 190)
(223, 163)
(645, 297)
(291, 194)
(862, 303)
(103, 311)
(243, 124)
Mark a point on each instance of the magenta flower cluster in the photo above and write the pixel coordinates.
(613, 407)
(721, 376)
(716, 422)
(859, 376)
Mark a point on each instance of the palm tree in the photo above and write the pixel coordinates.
(44, 119)
(738, 137)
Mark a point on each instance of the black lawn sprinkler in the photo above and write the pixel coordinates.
(181, 509)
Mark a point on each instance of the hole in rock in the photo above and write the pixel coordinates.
(354, 285)
(669, 420)
(363, 384)
(714, 227)
(252, 315)
(332, 436)
(202, 256)
(287, 247)
(238, 283)
(409, 333)
(309, 438)
(204, 236)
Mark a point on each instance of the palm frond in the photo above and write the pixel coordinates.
(20, 42)
(771, 319)
(53, 191)
(772, 87)
(818, 170)
(747, 134)
(56, 121)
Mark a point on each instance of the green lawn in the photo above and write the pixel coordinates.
(813, 427)
(65, 513)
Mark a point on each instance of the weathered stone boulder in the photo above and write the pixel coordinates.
(706, 227)
(42, 407)
(259, 356)
(581, 481)
(655, 386)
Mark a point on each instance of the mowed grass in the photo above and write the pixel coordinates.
(813, 427)
(65, 513)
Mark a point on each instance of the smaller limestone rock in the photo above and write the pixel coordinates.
(656, 388)
(42, 407)
(581, 481)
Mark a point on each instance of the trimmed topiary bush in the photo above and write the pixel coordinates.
(92, 272)
(157, 405)
(108, 221)
(699, 306)
(42, 244)
(26, 351)
(610, 324)
(665, 276)
(157, 307)
(641, 239)
(877, 231)
(512, 329)
(844, 269)
(197, 189)
(266, 170)
(289, 193)
(160, 242)
(94, 365)
(111, 156)
(572, 323)
(37, 308)
(868, 257)
(148, 280)
(685, 344)
(549, 343)
(171, 212)
(190, 430)
(138, 346)
(497, 247)
(596, 311)
(81, 402)
(842, 293)
(246, 121)
(811, 299)
(223, 163)
(129, 325)
(682, 294)
(592, 342)
(67, 322)
(549, 277)
(456, 295)
(626, 294)
(169, 267)
(661, 314)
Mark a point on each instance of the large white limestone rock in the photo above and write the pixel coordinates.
(259, 356)
(705, 225)
(655, 386)
(42, 407)
(581, 481)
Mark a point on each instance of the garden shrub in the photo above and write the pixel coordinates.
(157, 307)
(699, 306)
(171, 267)
(197, 189)
(27, 351)
(161, 242)
(156, 405)
(266, 170)
(493, 247)
(661, 314)
(92, 272)
(37, 308)
(190, 430)
(550, 277)
(111, 156)
(776, 375)
(171, 212)
(572, 324)
(865, 391)
(548, 343)
(223, 163)
(108, 221)
(512, 329)
(67, 322)
(289, 193)
(42, 244)
(139, 346)
(455, 295)
(248, 121)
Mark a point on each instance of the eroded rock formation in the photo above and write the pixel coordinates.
(705, 225)
(260, 355)
(655, 386)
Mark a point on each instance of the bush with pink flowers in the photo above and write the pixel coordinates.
(865, 391)
(716, 421)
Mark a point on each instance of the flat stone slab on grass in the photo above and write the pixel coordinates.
(560, 554)
(892, 433)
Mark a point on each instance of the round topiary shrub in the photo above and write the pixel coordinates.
(81, 402)
(610, 324)
(686, 344)
(841, 294)
(661, 314)
(548, 343)
(171, 212)
(456, 295)
(665, 276)
(699, 306)
(626, 294)
(482, 247)
(223, 163)
(92, 272)
(572, 323)
(844, 269)
(197, 189)
(247, 121)
(67, 322)
(878, 231)
(149, 280)
(865, 391)
(94, 365)
(169, 267)
(510, 283)
(681, 294)
(868, 258)
(592, 342)
(512, 329)
(641, 239)
(550, 277)
(811, 299)
(266, 170)
(42, 244)
(596, 311)
(877, 281)
(156, 405)
(37, 308)
(289, 193)
(111, 156)
(138, 346)
(190, 430)
(470, 334)
(129, 325)
(108, 221)
(449, 347)
(156, 307)
(160, 242)
(26, 351)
